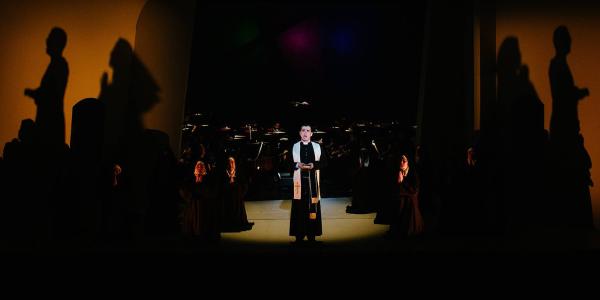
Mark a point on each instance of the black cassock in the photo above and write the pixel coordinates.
(300, 222)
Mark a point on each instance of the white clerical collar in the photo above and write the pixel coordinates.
(305, 143)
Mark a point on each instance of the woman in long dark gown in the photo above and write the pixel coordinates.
(200, 214)
(232, 191)
(407, 220)
(363, 184)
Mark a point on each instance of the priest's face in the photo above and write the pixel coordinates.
(305, 133)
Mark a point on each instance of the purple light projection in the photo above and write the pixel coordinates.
(301, 46)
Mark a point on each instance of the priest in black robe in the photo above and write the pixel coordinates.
(308, 160)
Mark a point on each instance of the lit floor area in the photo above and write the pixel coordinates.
(271, 223)
(357, 234)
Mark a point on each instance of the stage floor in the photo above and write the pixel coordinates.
(357, 234)
(271, 223)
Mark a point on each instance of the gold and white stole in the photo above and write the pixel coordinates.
(297, 177)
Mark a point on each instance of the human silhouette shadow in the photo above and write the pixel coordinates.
(48, 182)
(49, 96)
(521, 115)
(18, 166)
(87, 130)
(130, 94)
(572, 196)
(162, 210)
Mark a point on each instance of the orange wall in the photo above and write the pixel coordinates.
(163, 43)
(534, 26)
(92, 26)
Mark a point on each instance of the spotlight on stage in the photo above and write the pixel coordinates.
(271, 223)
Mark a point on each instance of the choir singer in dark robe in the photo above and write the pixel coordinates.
(305, 219)
(407, 220)
(232, 191)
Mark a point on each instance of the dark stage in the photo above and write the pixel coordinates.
(273, 130)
